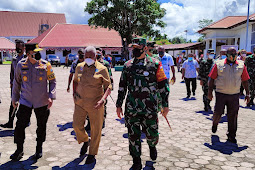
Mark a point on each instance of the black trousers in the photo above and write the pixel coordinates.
(23, 118)
(194, 85)
(12, 112)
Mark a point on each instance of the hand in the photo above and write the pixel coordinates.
(247, 99)
(68, 89)
(210, 96)
(201, 83)
(50, 103)
(99, 104)
(119, 112)
(165, 111)
(182, 77)
(15, 104)
(173, 79)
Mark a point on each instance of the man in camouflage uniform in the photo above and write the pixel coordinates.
(143, 77)
(205, 68)
(250, 64)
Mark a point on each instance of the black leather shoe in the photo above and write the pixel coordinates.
(194, 93)
(188, 96)
(214, 129)
(153, 153)
(38, 154)
(17, 155)
(232, 140)
(7, 125)
(90, 159)
(137, 164)
(84, 148)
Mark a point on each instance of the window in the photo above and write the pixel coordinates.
(114, 52)
(253, 37)
(50, 52)
(66, 52)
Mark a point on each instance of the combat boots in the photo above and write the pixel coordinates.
(38, 153)
(18, 154)
(153, 153)
(137, 163)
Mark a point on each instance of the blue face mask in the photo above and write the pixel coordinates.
(190, 58)
(223, 57)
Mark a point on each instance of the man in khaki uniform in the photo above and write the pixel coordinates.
(92, 85)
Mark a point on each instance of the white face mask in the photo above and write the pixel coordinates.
(89, 61)
(211, 56)
(243, 55)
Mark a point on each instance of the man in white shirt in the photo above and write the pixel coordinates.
(167, 62)
(189, 74)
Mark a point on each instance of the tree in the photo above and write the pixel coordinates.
(128, 17)
(178, 40)
(202, 24)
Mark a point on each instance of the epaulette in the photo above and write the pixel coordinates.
(23, 60)
(14, 57)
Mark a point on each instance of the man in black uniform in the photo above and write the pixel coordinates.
(20, 48)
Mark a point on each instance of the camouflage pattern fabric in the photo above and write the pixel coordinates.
(145, 80)
(250, 64)
(204, 70)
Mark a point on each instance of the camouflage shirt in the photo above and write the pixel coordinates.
(250, 64)
(108, 66)
(205, 67)
(143, 78)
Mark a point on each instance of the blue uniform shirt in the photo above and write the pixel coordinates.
(15, 61)
(30, 85)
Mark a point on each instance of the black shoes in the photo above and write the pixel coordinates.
(194, 93)
(7, 125)
(90, 159)
(17, 155)
(137, 164)
(153, 153)
(250, 104)
(84, 148)
(38, 153)
(214, 129)
(232, 140)
(188, 96)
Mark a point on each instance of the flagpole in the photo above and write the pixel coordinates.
(247, 29)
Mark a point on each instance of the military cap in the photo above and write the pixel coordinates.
(139, 41)
(210, 51)
(151, 43)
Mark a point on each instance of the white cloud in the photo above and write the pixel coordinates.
(186, 17)
(178, 18)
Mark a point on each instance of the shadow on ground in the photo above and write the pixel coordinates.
(68, 125)
(122, 120)
(222, 120)
(26, 164)
(75, 165)
(149, 165)
(205, 113)
(188, 99)
(252, 108)
(6, 133)
(224, 147)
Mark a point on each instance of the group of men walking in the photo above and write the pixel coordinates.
(144, 84)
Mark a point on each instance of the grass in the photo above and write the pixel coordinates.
(7, 62)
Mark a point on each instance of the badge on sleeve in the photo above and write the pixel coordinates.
(96, 70)
(25, 78)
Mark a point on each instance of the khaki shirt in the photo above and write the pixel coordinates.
(92, 81)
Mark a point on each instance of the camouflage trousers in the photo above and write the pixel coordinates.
(252, 88)
(137, 123)
(205, 95)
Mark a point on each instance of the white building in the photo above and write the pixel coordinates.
(230, 30)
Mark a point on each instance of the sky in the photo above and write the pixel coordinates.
(180, 14)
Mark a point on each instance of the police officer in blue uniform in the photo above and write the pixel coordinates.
(34, 87)
(20, 48)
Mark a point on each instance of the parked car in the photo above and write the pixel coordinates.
(118, 60)
(71, 58)
(54, 60)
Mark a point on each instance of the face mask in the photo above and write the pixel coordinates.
(98, 56)
(89, 61)
(38, 56)
(137, 52)
(190, 58)
(81, 56)
(223, 56)
(161, 53)
(243, 55)
(231, 58)
(211, 56)
(18, 50)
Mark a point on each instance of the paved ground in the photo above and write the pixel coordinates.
(190, 145)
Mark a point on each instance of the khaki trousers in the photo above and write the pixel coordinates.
(96, 118)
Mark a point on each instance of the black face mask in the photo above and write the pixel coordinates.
(98, 56)
(81, 56)
(38, 56)
(137, 52)
(19, 50)
(161, 53)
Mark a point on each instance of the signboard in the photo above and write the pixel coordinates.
(226, 47)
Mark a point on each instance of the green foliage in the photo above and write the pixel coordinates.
(163, 42)
(178, 40)
(204, 23)
(128, 17)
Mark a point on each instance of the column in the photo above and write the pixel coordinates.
(207, 42)
(214, 44)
